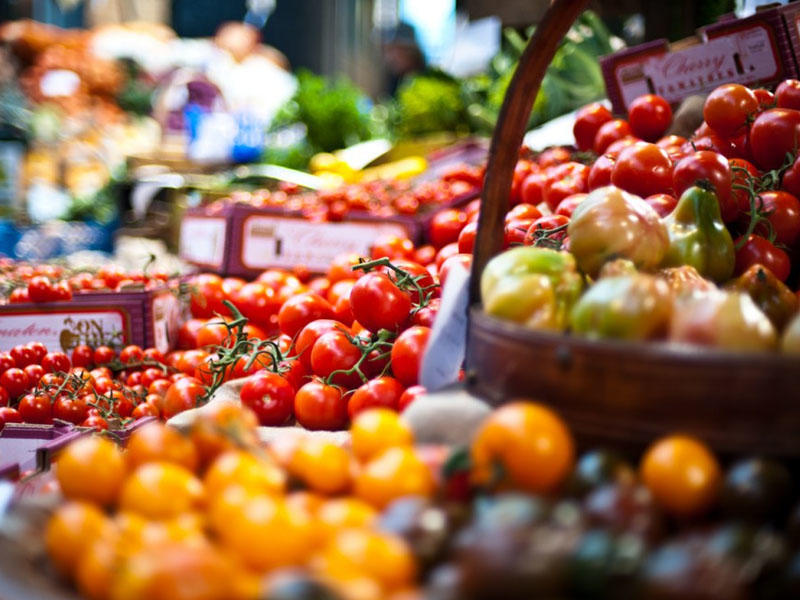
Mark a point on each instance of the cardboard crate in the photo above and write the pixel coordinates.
(146, 318)
(756, 50)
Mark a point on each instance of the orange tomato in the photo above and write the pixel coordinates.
(95, 569)
(342, 513)
(374, 430)
(70, 531)
(158, 442)
(682, 474)
(243, 468)
(530, 443)
(161, 490)
(394, 473)
(223, 426)
(322, 465)
(91, 469)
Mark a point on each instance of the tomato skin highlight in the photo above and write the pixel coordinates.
(649, 117)
(269, 396)
(643, 169)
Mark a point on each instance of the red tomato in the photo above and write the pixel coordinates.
(36, 408)
(784, 216)
(150, 375)
(333, 351)
(523, 211)
(38, 349)
(9, 415)
(341, 267)
(34, 373)
(23, 356)
(377, 303)
(145, 409)
(419, 273)
(298, 311)
(643, 169)
(4, 397)
(728, 108)
(409, 396)
(740, 170)
(774, 134)
(522, 169)
(663, 204)
(609, 133)
(564, 181)
(41, 289)
(407, 354)
(62, 291)
(214, 333)
(390, 246)
(6, 362)
(207, 296)
(445, 253)
(426, 315)
(465, 260)
(19, 295)
(159, 387)
(154, 354)
(671, 141)
(600, 173)
(258, 302)
(320, 406)
(514, 232)
(15, 381)
(787, 95)
(466, 239)
(425, 255)
(103, 355)
(758, 250)
(532, 188)
(766, 99)
(568, 205)
(54, 362)
(383, 392)
(553, 156)
(309, 335)
(791, 178)
(131, 354)
(713, 168)
(587, 121)
(445, 226)
(96, 422)
(231, 285)
(615, 148)
(649, 117)
(269, 396)
(182, 395)
(73, 410)
(82, 356)
(547, 224)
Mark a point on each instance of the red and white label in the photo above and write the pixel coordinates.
(744, 56)
(63, 329)
(166, 320)
(203, 240)
(269, 241)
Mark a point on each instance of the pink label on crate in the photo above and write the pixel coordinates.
(166, 320)
(744, 56)
(203, 240)
(62, 329)
(269, 241)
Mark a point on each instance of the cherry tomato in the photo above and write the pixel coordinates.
(40, 289)
(15, 381)
(4, 397)
(426, 315)
(791, 179)
(564, 181)
(377, 303)
(131, 354)
(342, 267)
(207, 296)
(333, 351)
(774, 134)
(73, 410)
(6, 362)
(710, 167)
(19, 295)
(82, 356)
(9, 415)
(756, 250)
(36, 408)
(407, 354)
(154, 354)
(464, 260)
(383, 392)
(96, 422)
(103, 355)
(568, 205)
(546, 226)
(766, 99)
(23, 356)
(54, 362)
(587, 121)
(258, 302)
(728, 108)
(214, 333)
(34, 373)
(419, 273)
(159, 387)
(649, 117)
(444, 254)
(38, 349)
(445, 226)
(553, 156)
(150, 375)
(410, 395)
(187, 334)
(466, 239)
(269, 396)
(783, 211)
(600, 172)
(643, 169)
(62, 291)
(787, 94)
(610, 132)
(532, 188)
(682, 474)
(145, 409)
(308, 336)
(182, 395)
(663, 204)
(300, 310)
(391, 247)
(320, 406)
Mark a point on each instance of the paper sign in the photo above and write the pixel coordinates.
(166, 317)
(61, 329)
(448, 341)
(203, 240)
(269, 241)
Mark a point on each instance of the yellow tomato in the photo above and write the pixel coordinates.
(159, 442)
(95, 569)
(161, 490)
(245, 469)
(394, 473)
(342, 513)
(71, 530)
(322, 465)
(376, 429)
(682, 474)
(91, 469)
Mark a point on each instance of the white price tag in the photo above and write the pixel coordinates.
(203, 240)
(269, 241)
(448, 341)
(61, 329)
(166, 316)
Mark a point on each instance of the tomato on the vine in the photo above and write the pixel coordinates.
(320, 406)
(269, 396)
(298, 311)
(36, 408)
(73, 410)
(38, 349)
(103, 355)
(131, 354)
(82, 356)
(649, 116)
(333, 351)
(182, 395)
(407, 354)
(382, 392)
(774, 135)
(783, 213)
(758, 250)
(23, 356)
(377, 303)
(54, 362)
(34, 373)
(207, 296)
(15, 381)
(308, 336)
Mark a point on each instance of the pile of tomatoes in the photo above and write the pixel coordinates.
(24, 282)
(382, 198)
(513, 514)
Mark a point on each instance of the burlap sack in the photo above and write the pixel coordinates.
(446, 417)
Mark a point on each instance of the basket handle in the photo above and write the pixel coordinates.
(510, 129)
